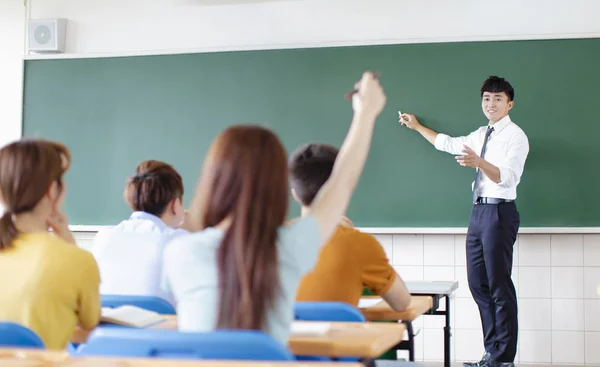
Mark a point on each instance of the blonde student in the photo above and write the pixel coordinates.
(48, 284)
(351, 259)
(130, 254)
(242, 269)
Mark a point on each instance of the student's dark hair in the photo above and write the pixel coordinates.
(245, 181)
(310, 167)
(154, 185)
(495, 84)
(27, 169)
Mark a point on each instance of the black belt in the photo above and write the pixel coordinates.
(484, 200)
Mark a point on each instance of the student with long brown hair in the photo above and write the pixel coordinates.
(130, 254)
(242, 269)
(48, 284)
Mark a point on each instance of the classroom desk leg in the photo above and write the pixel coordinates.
(447, 334)
(411, 340)
(446, 313)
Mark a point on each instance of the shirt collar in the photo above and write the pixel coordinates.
(140, 215)
(498, 126)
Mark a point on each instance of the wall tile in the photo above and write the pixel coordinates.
(535, 346)
(592, 348)
(438, 250)
(568, 347)
(592, 315)
(387, 241)
(409, 272)
(408, 249)
(566, 249)
(467, 314)
(469, 345)
(460, 253)
(591, 250)
(568, 315)
(535, 282)
(567, 282)
(534, 250)
(591, 280)
(535, 314)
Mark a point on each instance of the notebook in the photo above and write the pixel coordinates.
(128, 315)
(368, 302)
(309, 328)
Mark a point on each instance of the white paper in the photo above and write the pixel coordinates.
(309, 328)
(368, 302)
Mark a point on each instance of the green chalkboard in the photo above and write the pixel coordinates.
(115, 112)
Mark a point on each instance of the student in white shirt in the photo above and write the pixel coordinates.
(130, 255)
(498, 152)
(243, 267)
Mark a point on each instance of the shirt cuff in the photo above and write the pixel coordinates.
(440, 141)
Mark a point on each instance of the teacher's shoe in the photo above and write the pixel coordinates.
(485, 359)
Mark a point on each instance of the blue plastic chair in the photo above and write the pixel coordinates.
(15, 335)
(154, 343)
(327, 311)
(150, 303)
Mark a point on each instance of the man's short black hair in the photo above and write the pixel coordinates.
(310, 167)
(495, 84)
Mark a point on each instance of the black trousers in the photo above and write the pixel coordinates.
(490, 239)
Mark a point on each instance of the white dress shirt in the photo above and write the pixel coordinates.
(130, 256)
(507, 149)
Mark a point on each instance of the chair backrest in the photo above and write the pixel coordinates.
(151, 303)
(156, 343)
(327, 311)
(15, 335)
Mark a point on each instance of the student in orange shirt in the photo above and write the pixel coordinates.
(351, 259)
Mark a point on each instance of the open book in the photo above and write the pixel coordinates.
(128, 315)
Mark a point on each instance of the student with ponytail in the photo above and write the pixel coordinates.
(48, 284)
(130, 254)
(242, 268)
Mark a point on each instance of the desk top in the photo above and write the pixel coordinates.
(42, 358)
(383, 312)
(433, 287)
(344, 339)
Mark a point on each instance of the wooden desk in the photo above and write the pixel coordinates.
(345, 339)
(383, 312)
(41, 358)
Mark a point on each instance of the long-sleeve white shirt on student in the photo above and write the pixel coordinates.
(507, 149)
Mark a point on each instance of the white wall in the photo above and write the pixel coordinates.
(556, 274)
(124, 26)
(12, 37)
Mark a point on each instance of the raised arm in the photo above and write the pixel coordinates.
(331, 202)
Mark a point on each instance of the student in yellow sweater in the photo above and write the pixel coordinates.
(48, 283)
(351, 259)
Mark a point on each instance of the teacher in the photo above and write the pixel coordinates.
(498, 153)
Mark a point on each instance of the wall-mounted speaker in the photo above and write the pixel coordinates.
(47, 35)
